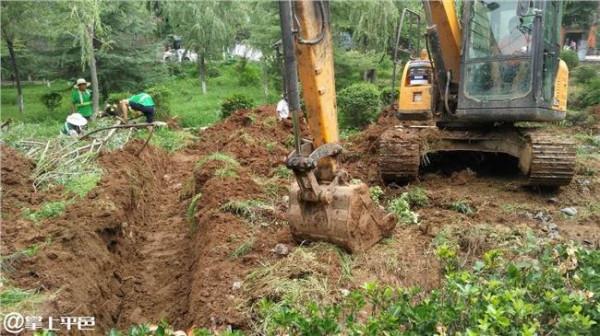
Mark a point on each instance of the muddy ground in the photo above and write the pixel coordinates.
(159, 239)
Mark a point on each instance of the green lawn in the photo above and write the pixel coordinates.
(187, 103)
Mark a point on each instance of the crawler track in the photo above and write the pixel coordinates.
(552, 159)
(399, 154)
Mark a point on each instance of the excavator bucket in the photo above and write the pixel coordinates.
(340, 212)
(348, 219)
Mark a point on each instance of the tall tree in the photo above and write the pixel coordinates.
(86, 16)
(15, 16)
(207, 27)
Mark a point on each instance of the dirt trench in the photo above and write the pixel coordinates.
(132, 251)
(122, 254)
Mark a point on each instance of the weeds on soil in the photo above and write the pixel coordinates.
(552, 289)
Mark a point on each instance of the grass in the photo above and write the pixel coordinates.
(81, 185)
(10, 262)
(168, 139)
(14, 299)
(282, 171)
(191, 210)
(194, 109)
(417, 197)
(462, 206)
(46, 211)
(35, 111)
(243, 249)
(189, 105)
(228, 159)
(252, 210)
(229, 168)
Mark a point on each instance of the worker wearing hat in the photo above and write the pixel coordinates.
(74, 125)
(82, 98)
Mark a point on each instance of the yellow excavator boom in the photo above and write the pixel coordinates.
(324, 204)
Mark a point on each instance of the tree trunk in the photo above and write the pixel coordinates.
(13, 61)
(202, 71)
(93, 73)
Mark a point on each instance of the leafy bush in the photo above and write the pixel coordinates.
(161, 95)
(461, 206)
(570, 57)
(234, 103)
(213, 72)
(417, 197)
(116, 97)
(400, 207)
(359, 104)
(584, 73)
(51, 100)
(249, 76)
(386, 95)
(590, 95)
(82, 184)
(376, 194)
(48, 210)
(541, 290)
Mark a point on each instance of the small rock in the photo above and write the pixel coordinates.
(553, 200)
(344, 292)
(570, 211)
(179, 333)
(552, 227)
(236, 285)
(285, 199)
(542, 216)
(51, 255)
(281, 249)
(584, 182)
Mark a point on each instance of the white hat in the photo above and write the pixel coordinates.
(81, 81)
(76, 119)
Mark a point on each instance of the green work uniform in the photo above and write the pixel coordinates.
(143, 99)
(83, 102)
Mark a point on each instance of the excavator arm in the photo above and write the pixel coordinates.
(324, 205)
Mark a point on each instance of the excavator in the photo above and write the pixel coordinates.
(481, 76)
(484, 80)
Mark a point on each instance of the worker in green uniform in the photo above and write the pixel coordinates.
(141, 102)
(81, 97)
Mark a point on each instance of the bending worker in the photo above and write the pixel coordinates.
(141, 102)
(74, 125)
(81, 97)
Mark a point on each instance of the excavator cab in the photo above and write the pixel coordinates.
(510, 65)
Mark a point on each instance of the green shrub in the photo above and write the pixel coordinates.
(234, 103)
(51, 100)
(590, 95)
(548, 290)
(417, 197)
(116, 97)
(82, 184)
(400, 207)
(584, 73)
(161, 95)
(48, 210)
(386, 95)
(213, 72)
(570, 57)
(359, 104)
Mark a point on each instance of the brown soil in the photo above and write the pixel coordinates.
(129, 252)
